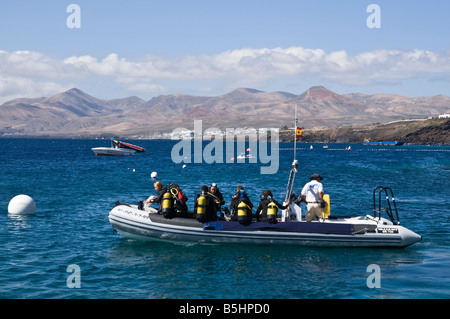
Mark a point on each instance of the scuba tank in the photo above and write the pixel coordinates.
(167, 204)
(272, 210)
(201, 207)
(242, 212)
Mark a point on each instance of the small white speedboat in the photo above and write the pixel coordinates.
(244, 156)
(112, 151)
(118, 148)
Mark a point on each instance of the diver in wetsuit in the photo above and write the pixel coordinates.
(160, 190)
(241, 206)
(268, 207)
(205, 207)
(218, 199)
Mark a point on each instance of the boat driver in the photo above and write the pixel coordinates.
(312, 194)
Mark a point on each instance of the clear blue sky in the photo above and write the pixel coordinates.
(200, 47)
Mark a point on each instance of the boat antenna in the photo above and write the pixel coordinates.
(294, 166)
(295, 129)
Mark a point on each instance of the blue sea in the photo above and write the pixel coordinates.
(74, 190)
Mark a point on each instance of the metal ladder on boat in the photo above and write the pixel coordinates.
(388, 209)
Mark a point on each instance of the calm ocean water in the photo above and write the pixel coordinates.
(74, 191)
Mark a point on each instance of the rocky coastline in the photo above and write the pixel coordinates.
(429, 131)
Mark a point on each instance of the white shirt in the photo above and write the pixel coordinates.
(311, 190)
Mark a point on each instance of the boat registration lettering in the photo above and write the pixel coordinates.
(388, 230)
(129, 212)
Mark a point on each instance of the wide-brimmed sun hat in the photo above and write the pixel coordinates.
(316, 176)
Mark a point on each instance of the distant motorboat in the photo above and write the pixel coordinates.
(384, 143)
(112, 151)
(118, 148)
(244, 156)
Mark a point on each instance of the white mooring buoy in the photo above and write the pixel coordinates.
(22, 205)
(153, 174)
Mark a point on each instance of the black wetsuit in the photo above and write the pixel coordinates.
(261, 211)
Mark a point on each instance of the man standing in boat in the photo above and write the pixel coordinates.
(312, 194)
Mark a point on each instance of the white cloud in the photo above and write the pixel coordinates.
(14, 87)
(28, 64)
(268, 63)
(27, 72)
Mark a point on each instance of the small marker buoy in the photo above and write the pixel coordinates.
(184, 166)
(153, 174)
(22, 205)
(232, 159)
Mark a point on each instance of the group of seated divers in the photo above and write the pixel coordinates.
(209, 204)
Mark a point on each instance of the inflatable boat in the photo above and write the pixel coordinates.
(145, 223)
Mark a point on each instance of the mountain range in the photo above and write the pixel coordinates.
(75, 113)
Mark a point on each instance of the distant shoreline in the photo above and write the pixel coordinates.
(419, 132)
